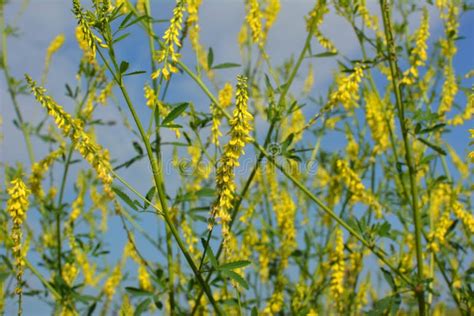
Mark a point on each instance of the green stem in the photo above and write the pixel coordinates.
(419, 291)
(11, 92)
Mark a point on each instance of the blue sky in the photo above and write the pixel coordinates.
(221, 22)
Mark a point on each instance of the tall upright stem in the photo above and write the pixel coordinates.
(392, 58)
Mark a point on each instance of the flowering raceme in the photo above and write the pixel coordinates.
(170, 40)
(92, 152)
(254, 20)
(39, 169)
(378, 118)
(17, 205)
(418, 55)
(347, 91)
(239, 136)
(337, 274)
(357, 188)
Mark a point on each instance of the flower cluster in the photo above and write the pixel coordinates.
(254, 20)
(53, 47)
(337, 269)
(471, 154)
(170, 40)
(270, 14)
(150, 97)
(418, 55)
(347, 91)
(92, 152)
(17, 205)
(225, 100)
(313, 23)
(87, 51)
(378, 118)
(89, 39)
(239, 136)
(39, 169)
(110, 285)
(357, 188)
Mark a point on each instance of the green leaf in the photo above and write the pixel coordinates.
(212, 258)
(123, 36)
(226, 65)
(124, 197)
(137, 148)
(234, 265)
(385, 306)
(123, 67)
(149, 196)
(136, 291)
(322, 55)
(135, 73)
(142, 307)
(236, 277)
(389, 278)
(175, 113)
(210, 58)
(254, 311)
(432, 128)
(436, 148)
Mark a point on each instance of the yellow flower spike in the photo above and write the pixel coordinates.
(112, 282)
(70, 273)
(239, 136)
(105, 93)
(337, 270)
(418, 55)
(377, 117)
(347, 91)
(270, 14)
(309, 81)
(17, 205)
(92, 152)
(471, 154)
(357, 188)
(225, 95)
(254, 20)
(38, 170)
(170, 41)
(150, 96)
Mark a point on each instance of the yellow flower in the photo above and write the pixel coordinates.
(144, 278)
(39, 169)
(418, 55)
(239, 136)
(112, 282)
(471, 154)
(337, 269)
(357, 188)
(150, 96)
(225, 95)
(347, 91)
(89, 39)
(92, 152)
(17, 205)
(254, 20)
(309, 81)
(449, 90)
(170, 40)
(105, 93)
(70, 272)
(270, 15)
(378, 118)
(53, 47)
